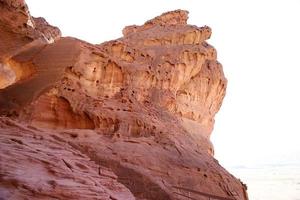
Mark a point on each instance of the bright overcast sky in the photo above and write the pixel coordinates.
(258, 44)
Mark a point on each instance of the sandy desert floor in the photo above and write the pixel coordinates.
(271, 182)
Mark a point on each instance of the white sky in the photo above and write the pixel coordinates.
(258, 44)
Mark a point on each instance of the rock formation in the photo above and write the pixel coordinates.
(126, 119)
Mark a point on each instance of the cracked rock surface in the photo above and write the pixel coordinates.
(130, 118)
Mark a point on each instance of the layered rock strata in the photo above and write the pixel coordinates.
(126, 119)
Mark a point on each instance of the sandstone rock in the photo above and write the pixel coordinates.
(140, 107)
(38, 166)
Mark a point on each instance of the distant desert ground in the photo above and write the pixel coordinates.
(280, 182)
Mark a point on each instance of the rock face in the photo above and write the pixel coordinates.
(126, 119)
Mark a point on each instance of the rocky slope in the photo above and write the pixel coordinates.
(126, 119)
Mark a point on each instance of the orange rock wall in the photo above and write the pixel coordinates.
(126, 119)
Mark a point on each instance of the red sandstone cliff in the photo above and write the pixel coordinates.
(126, 119)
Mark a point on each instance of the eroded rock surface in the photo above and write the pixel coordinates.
(126, 119)
(38, 166)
